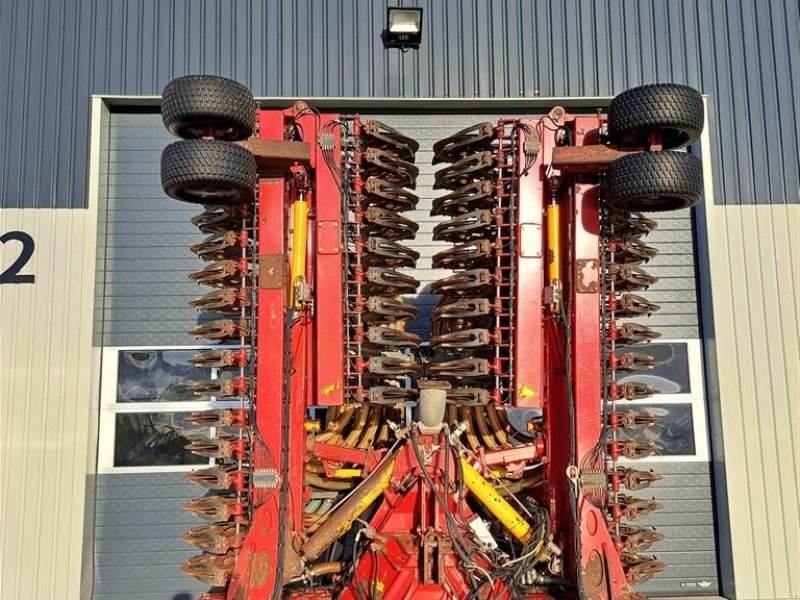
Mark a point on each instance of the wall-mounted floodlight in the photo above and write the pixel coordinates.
(403, 27)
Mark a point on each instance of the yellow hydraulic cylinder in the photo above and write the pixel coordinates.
(341, 520)
(496, 504)
(299, 247)
(554, 254)
(553, 243)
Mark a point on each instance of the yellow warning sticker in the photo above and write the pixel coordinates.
(525, 392)
(329, 389)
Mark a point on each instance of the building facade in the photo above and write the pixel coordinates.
(100, 296)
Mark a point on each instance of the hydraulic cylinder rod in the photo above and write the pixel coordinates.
(299, 247)
(339, 523)
(554, 252)
(496, 504)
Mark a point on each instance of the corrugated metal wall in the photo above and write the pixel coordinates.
(47, 388)
(138, 550)
(753, 278)
(688, 522)
(144, 238)
(56, 55)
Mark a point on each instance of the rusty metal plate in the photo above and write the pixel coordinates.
(259, 569)
(277, 154)
(530, 240)
(586, 159)
(329, 237)
(587, 280)
(271, 271)
(594, 575)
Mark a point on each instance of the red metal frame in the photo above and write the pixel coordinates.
(316, 353)
(408, 510)
(327, 268)
(254, 572)
(528, 340)
(600, 570)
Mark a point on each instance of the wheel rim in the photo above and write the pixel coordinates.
(653, 203)
(671, 137)
(225, 131)
(212, 193)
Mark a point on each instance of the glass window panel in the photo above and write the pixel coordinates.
(153, 439)
(157, 376)
(675, 432)
(671, 373)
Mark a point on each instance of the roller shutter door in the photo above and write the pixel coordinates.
(142, 291)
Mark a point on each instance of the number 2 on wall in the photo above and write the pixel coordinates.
(11, 274)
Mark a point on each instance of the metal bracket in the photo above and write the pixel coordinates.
(271, 271)
(266, 478)
(530, 240)
(329, 237)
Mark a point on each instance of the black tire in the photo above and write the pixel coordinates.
(208, 172)
(674, 111)
(654, 181)
(197, 106)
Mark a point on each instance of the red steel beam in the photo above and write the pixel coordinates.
(587, 159)
(528, 342)
(328, 273)
(255, 572)
(600, 568)
(277, 154)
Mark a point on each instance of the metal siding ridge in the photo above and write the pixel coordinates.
(752, 264)
(48, 332)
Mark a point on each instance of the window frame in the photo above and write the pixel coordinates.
(696, 397)
(110, 408)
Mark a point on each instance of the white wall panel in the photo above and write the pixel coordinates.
(48, 386)
(754, 272)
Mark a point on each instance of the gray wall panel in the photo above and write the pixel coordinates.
(144, 243)
(138, 552)
(687, 521)
(62, 53)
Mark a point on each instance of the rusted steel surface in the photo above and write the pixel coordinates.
(277, 154)
(586, 159)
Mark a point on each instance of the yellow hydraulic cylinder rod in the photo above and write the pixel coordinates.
(341, 520)
(553, 243)
(299, 245)
(496, 504)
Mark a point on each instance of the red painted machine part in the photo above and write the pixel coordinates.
(411, 555)
(528, 369)
(325, 230)
(600, 569)
(256, 570)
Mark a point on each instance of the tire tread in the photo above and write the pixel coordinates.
(208, 162)
(635, 112)
(675, 179)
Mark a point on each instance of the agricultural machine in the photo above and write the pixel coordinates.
(363, 462)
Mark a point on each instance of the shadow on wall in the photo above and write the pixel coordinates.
(182, 596)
